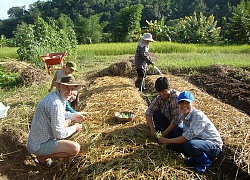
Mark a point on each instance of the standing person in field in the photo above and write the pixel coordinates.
(142, 60)
(163, 113)
(69, 68)
(51, 125)
(200, 140)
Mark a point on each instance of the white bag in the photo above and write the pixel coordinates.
(3, 110)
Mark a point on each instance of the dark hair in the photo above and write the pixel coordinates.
(74, 103)
(162, 83)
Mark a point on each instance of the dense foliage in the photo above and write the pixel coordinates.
(101, 21)
(8, 79)
(42, 38)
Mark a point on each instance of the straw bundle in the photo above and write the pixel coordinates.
(122, 68)
(28, 74)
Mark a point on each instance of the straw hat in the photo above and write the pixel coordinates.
(72, 65)
(69, 81)
(148, 37)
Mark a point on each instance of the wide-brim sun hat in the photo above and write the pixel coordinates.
(72, 65)
(69, 81)
(148, 37)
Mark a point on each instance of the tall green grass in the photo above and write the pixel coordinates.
(198, 60)
(158, 47)
(8, 52)
(107, 49)
(170, 55)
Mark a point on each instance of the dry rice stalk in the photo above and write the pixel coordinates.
(126, 150)
(232, 124)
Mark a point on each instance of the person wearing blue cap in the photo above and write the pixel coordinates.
(200, 140)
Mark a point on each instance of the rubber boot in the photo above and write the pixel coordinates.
(142, 85)
(203, 163)
(190, 162)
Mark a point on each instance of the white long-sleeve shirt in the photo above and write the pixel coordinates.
(48, 121)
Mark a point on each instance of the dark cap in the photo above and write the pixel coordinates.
(161, 84)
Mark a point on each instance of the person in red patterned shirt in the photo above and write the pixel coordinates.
(163, 113)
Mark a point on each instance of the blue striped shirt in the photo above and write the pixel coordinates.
(48, 121)
(198, 126)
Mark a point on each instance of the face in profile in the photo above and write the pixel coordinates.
(73, 97)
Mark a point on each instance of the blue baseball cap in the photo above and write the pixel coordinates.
(186, 96)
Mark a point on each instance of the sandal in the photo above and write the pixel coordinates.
(48, 164)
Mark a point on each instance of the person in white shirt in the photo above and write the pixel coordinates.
(51, 125)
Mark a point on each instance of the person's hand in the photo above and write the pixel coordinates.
(78, 126)
(163, 140)
(79, 117)
(82, 112)
(152, 131)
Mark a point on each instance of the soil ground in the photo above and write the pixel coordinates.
(231, 86)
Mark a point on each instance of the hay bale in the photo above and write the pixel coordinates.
(123, 68)
(31, 76)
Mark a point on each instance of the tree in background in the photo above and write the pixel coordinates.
(89, 30)
(64, 21)
(171, 10)
(159, 30)
(3, 41)
(239, 25)
(193, 29)
(127, 23)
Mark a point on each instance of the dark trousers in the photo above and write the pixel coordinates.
(139, 82)
(161, 123)
(196, 148)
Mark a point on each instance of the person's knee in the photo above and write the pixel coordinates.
(76, 149)
(188, 147)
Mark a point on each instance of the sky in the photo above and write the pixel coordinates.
(6, 4)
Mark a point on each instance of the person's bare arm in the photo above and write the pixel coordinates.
(169, 129)
(149, 120)
(168, 141)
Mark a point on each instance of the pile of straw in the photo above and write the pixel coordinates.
(28, 74)
(115, 150)
(232, 124)
(111, 149)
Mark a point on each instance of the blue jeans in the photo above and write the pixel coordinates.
(161, 123)
(196, 147)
